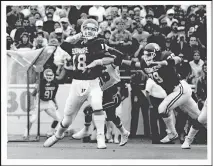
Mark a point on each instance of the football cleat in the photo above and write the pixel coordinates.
(187, 143)
(81, 134)
(169, 138)
(52, 140)
(124, 138)
(101, 141)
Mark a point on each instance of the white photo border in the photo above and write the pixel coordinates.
(6, 161)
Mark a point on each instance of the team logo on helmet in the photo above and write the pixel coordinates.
(89, 29)
(49, 75)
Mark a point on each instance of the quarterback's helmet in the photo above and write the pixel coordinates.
(89, 29)
(49, 75)
(151, 50)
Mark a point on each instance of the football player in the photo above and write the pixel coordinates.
(161, 68)
(86, 83)
(202, 101)
(111, 100)
(48, 89)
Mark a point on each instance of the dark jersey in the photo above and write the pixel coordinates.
(48, 90)
(83, 54)
(165, 76)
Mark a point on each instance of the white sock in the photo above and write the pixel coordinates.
(169, 124)
(192, 133)
(99, 121)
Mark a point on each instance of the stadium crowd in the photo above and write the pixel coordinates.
(178, 29)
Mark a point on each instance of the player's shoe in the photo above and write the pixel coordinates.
(110, 140)
(81, 134)
(101, 141)
(169, 138)
(124, 138)
(116, 141)
(52, 140)
(187, 143)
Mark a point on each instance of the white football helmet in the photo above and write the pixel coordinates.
(89, 29)
(49, 75)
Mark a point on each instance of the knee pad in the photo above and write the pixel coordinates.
(54, 124)
(88, 111)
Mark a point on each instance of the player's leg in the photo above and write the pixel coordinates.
(72, 106)
(111, 116)
(192, 109)
(54, 113)
(109, 130)
(178, 97)
(95, 98)
(84, 132)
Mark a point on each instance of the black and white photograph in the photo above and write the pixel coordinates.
(113, 82)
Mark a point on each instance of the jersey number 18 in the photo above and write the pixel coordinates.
(81, 62)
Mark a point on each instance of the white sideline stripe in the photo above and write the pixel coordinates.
(179, 145)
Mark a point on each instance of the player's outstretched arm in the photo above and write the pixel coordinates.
(131, 63)
(74, 39)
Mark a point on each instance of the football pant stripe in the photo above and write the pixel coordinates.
(175, 99)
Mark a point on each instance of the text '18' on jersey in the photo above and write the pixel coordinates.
(164, 76)
(48, 90)
(83, 54)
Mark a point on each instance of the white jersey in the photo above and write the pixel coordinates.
(110, 77)
(154, 89)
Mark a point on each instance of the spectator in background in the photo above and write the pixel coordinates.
(99, 11)
(196, 66)
(49, 24)
(139, 101)
(24, 42)
(140, 34)
(52, 9)
(191, 47)
(107, 35)
(179, 47)
(102, 28)
(40, 41)
(201, 33)
(38, 16)
(165, 30)
(167, 46)
(124, 16)
(157, 37)
(170, 17)
(13, 16)
(154, 20)
(202, 86)
(131, 14)
(9, 42)
(75, 12)
(174, 31)
(29, 29)
(16, 33)
(149, 26)
(192, 24)
(39, 28)
(120, 37)
(59, 35)
(67, 29)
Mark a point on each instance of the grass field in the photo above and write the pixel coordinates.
(75, 149)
